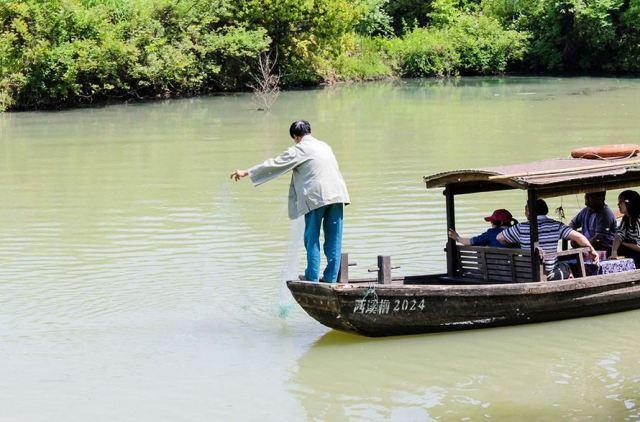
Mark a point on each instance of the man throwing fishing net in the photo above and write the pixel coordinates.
(317, 191)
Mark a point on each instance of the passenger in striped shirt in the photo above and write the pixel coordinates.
(628, 235)
(549, 233)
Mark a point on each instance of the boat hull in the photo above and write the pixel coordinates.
(376, 310)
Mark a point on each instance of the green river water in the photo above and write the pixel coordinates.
(138, 283)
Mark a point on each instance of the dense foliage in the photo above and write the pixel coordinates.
(575, 35)
(61, 51)
(458, 41)
(56, 53)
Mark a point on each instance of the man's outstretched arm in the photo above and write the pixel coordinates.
(271, 168)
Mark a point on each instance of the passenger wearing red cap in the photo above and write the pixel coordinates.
(500, 219)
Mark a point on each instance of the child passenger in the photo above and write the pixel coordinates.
(500, 219)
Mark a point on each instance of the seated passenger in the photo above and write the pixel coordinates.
(500, 219)
(549, 233)
(627, 237)
(597, 221)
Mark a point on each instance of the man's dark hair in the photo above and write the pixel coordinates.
(541, 207)
(600, 194)
(299, 128)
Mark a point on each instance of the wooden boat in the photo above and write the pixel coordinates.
(483, 286)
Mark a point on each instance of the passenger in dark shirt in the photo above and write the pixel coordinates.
(500, 219)
(597, 221)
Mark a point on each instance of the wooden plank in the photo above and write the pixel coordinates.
(496, 267)
(524, 280)
(608, 165)
(467, 248)
(499, 261)
(503, 257)
(500, 271)
(469, 262)
(523, 273)
(514, 272)
(581, 268)
(596, 184)
(475, 187)
(491, 250)
(343, 274)
(526, 271)
(499, 251)
(497, 264)
(574, 251)
(501, 278)
(482, 261)
(384, 269)
(523, 263)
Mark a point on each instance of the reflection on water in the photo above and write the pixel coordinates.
(548, 370)
(135, 273)
(286, 302)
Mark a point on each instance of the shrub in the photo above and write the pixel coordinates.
(375, 21)
(408, 14)
(306, 34)
(483, 45)
(575, 35)
(366, 61)
(68, 52)
(458, 42)
(425, 52)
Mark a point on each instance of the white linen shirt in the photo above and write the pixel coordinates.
(316, 180)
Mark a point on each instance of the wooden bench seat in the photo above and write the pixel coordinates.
(494, 264)
(505, 265)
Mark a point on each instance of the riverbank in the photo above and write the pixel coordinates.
(58, 54)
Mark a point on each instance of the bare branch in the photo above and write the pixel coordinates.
(266, 87)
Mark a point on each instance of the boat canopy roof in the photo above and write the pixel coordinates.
(548, 177)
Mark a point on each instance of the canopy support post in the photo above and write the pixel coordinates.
(451, 225)
(532, 196)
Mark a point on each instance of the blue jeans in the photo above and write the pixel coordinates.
(330, 216)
